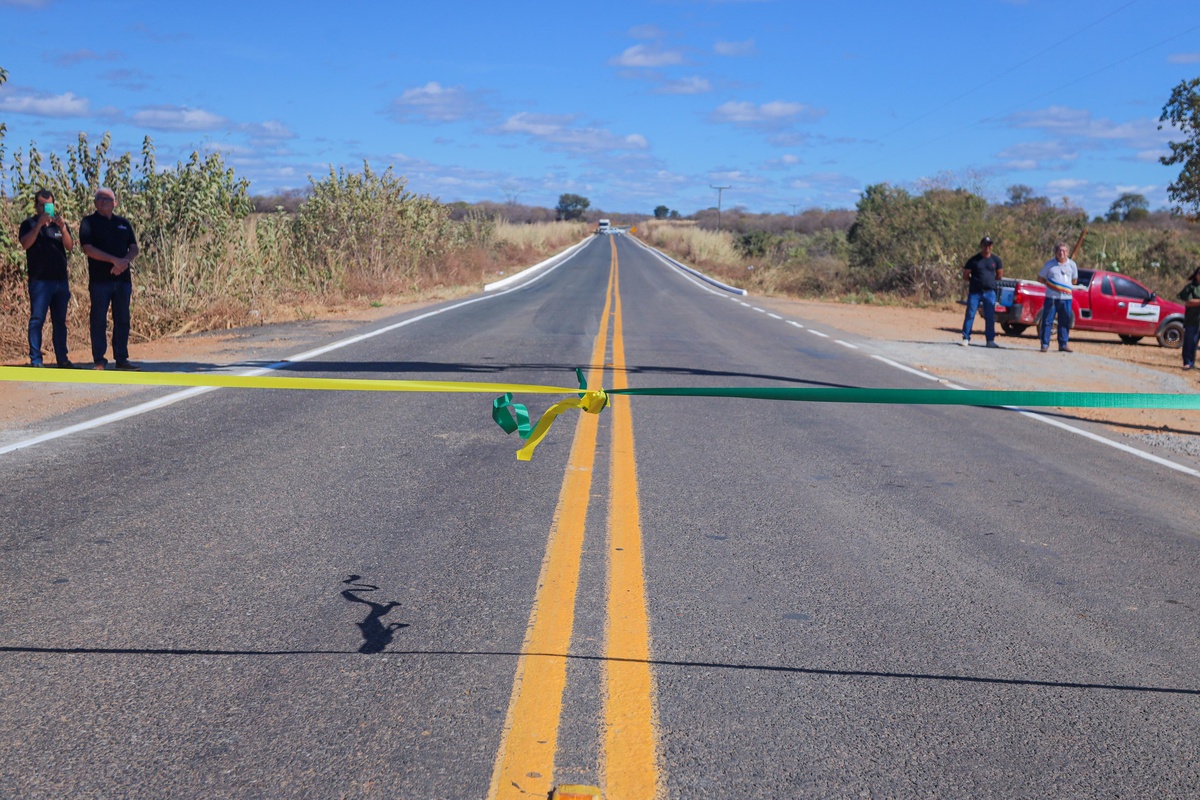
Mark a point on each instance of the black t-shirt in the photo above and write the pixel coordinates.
(46, 258)
(983, 272)
(113, 235)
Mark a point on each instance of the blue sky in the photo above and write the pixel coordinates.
(791, 104)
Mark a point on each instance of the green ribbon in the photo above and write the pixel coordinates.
(937, 397)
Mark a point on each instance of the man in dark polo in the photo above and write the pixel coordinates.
(46, 238)
(110, 246)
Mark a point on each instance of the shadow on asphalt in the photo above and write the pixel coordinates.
(765, 668)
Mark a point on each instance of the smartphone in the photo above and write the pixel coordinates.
(50, 209)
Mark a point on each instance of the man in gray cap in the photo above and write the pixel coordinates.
(983, 270)
(110, 246)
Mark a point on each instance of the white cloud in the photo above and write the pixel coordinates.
(178, 118)
(692, 85)
(642, 55)
(774, 115)
(272, 130)
(1183, 58)
(745, 48)
(1063, 121)
(38, 104)
(1067, 184)
(84, 54)
(558, 132)
(783, 162)
(436, 103)
(650, 31)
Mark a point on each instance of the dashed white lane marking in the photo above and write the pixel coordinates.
(797, 324)
(818, 333)
(759, 310)
(773, 316)
(846, 344)
(747, 305)
(1056, 423)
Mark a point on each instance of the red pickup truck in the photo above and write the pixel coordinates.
(1103, 301)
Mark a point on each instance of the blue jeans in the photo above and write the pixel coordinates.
(1060, 307)
(52, 297)
(116, 294)
(988, 299)
(1191, 335)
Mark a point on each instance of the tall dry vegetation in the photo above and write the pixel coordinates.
(909, 246)
(209, 260)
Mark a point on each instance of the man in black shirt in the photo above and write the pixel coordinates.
(983, 271)
(46, 238)
(110, 245)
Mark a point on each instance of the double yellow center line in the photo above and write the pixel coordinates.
(525, 762)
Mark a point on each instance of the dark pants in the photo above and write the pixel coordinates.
(116, 294)
(976, 300)
(1191, 335)
(52, 297)
(1060, 307)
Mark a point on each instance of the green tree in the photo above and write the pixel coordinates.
(661, 212)
(571, 206)
(1020, 194)
(1129, 207)
(1182, 111)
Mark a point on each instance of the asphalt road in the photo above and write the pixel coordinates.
(257, 593)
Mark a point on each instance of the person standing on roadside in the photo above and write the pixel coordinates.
(983, 270)
(1190, 297)
(110, 245)
(1058, 276)
(46, 239)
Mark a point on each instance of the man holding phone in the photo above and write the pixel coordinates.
(46, 239)
(109, 243)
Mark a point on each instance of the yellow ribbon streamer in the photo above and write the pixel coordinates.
(593, 402)
(49, 375)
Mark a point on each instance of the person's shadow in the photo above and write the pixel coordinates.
(376, 635)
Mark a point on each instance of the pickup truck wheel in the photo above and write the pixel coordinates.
(1171, 334)
(1127, 339)
(1013, 329)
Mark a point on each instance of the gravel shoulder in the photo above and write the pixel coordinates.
(928, 339)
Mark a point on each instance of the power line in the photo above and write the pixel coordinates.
(1024, 103)
(1010, 70)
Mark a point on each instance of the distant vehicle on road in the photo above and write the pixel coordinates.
(1103, 301)
(604, 227)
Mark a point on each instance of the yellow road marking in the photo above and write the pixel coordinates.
(631, 749)
(525, 762)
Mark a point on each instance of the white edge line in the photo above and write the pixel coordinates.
(175, 397)
(1056, 423)
(511, 279)
(666, 259)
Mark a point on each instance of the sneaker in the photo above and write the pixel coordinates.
(1045, 348)
(65, 364)
(1065, 349)
(1187, 366)
(993, 345)
(99, 365)
(965, 342)
(128, 366)
(37, 365)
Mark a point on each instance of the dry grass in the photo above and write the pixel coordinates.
(157, 313)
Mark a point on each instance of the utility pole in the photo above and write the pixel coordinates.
(794, 207)
(719, 190)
